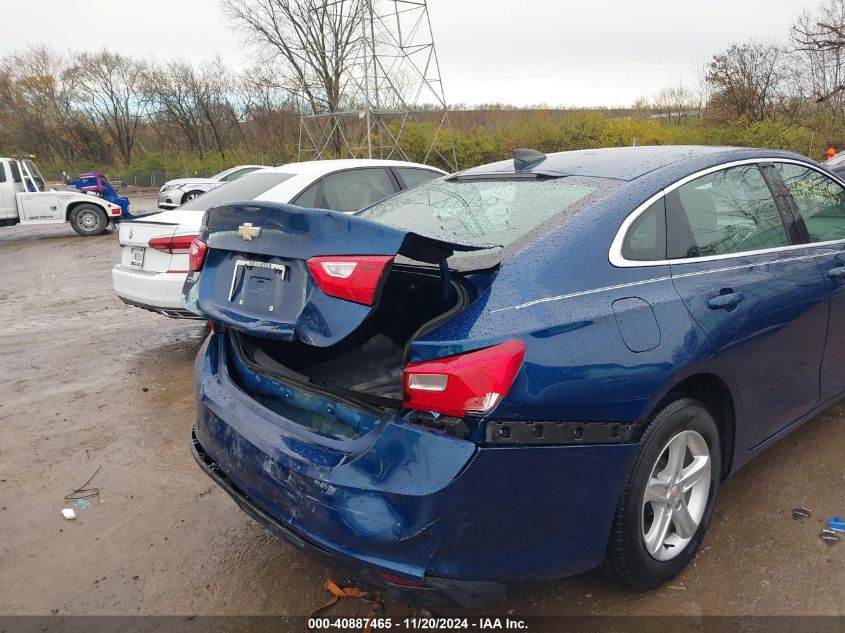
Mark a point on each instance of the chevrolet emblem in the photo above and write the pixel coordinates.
(247, 231)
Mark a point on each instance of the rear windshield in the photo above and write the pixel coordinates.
(36, 175)
(246, 188)
(495, 212)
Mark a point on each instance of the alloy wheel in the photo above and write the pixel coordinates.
(676, 495)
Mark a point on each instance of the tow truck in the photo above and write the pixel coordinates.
(25, 199)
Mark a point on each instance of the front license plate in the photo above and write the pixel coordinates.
(137, 257)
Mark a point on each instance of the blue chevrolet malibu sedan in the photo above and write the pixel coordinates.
(522, 371)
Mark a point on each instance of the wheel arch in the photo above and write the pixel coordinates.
(716, 394)
(185, 193)
(75, 203)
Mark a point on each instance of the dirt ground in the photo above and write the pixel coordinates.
(88, 383)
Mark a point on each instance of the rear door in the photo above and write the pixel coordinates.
(345, 190)
(355, 189)
(759, 297)
(819, 203)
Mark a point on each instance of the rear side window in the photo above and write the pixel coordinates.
(242, 189)
(729, 211)
(307, 198)
(819, 199)
(411, 177)
(16, 173)
(2, 172)
(357, 188)
(646, 239)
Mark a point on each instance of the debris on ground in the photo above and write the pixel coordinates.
(84, 492)
(830, 537)
(837, 524)
(81, 504)
(372, 598)
(69, 514)
(801, 513)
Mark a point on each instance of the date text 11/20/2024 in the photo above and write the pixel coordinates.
(417, 624)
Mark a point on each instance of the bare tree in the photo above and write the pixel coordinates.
(34, 92)
(746, 80)
(173, 104)
(674, 102)
(108, 88)
(272, 109)
(818, 40)
(314, 42)
(211, 88)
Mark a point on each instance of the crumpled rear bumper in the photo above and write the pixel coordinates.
(461, 519)
(438, 591)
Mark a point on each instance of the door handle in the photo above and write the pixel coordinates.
(728, 301)
(836, 273)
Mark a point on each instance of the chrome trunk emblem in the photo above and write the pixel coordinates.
(247, 231)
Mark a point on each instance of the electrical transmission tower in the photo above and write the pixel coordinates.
(393, 104)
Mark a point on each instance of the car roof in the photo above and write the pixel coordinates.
(316, 167)
(628, 163)
(304, 175)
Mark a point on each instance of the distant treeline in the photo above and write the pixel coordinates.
(105, 110)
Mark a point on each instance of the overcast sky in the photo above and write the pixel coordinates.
(521, 52)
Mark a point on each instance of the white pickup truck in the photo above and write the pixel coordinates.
(25, 199)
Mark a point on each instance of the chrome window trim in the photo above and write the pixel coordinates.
(615, 255)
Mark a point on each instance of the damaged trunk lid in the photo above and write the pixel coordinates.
(291, 274)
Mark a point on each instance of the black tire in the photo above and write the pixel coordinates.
(88, 220)
(191, 195)
(628, 561)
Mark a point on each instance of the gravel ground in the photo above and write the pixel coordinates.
(88, 383)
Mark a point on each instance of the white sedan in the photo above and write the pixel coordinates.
(154, 260)
(181, 190)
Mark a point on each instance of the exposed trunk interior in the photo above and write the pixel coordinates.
(368, 363)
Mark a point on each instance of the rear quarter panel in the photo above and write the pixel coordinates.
(557, 295)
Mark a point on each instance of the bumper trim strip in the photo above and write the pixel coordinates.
(501, 432)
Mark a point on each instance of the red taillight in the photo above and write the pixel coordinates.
(473, 383)
(196, 254)
(179, 244)
(211, 327)
(351, 277)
